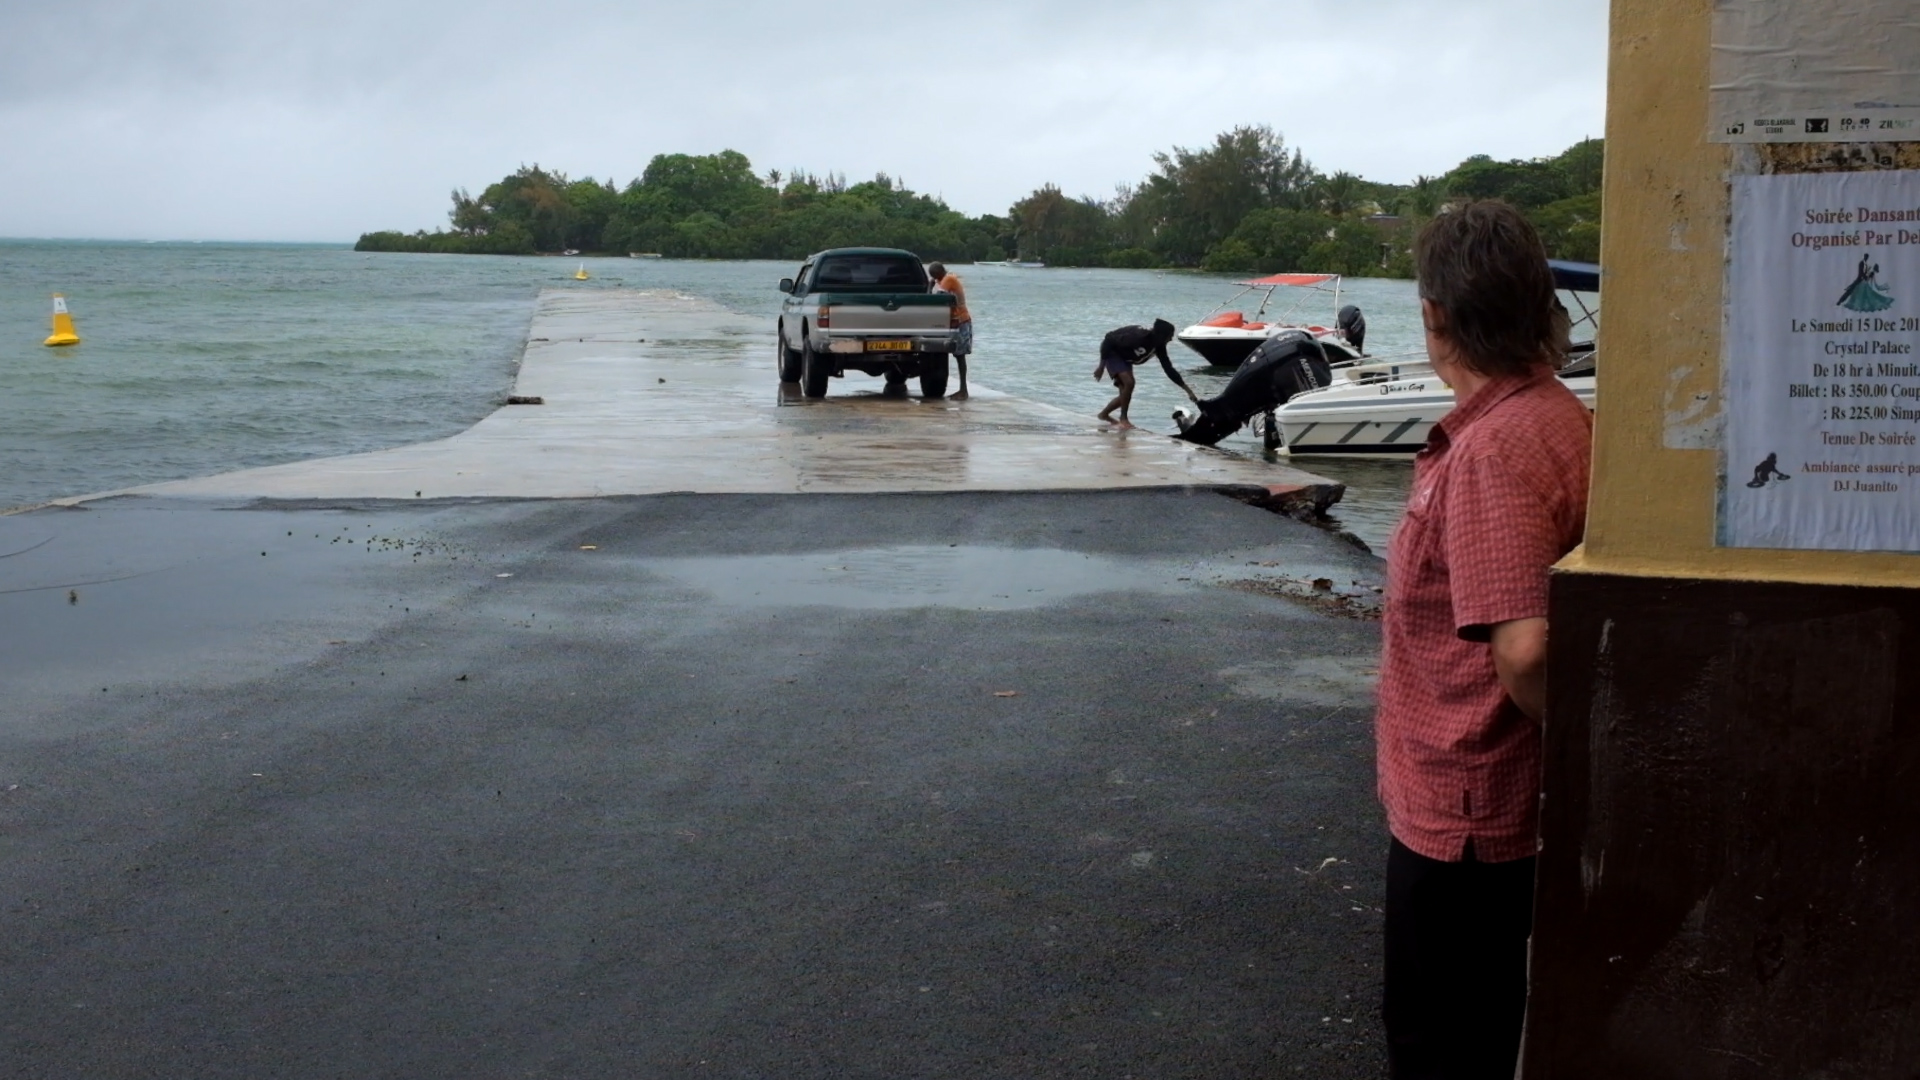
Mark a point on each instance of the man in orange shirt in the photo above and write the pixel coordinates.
(962, 321)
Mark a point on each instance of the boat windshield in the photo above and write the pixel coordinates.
(1576, 282)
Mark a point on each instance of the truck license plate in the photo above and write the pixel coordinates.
(889, 346)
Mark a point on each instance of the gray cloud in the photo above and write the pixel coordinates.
(318, 121)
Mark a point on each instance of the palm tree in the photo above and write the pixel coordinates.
(1426, 195)
(1339, 194)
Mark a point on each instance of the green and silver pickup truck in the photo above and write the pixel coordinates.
(864, 309)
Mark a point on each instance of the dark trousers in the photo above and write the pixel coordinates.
(1456, 970)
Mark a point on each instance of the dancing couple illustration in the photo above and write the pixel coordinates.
(1866, 293)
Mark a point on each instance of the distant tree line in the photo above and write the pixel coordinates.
(1247, 202)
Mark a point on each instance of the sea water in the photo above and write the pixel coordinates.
(203, 358)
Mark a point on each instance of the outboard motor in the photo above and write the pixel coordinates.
(1284, 365)
(1353, 326)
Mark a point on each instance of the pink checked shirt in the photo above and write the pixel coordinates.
(1499, 495)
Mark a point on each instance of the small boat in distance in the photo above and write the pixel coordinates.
(1225, 338)
(1015, 264)
(644, 255)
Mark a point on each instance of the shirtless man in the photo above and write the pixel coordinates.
(1120, 350)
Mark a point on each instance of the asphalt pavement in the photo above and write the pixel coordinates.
(962, 785)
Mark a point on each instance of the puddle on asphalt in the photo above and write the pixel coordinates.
(911, 576)
(1313, 680)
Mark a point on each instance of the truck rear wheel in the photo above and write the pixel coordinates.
(787, 360)
(813, 370)
(933, 376)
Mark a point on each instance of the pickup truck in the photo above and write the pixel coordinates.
(864, 309)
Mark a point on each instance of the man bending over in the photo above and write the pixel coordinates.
(1121, 350)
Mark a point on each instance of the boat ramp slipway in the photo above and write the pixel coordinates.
(645, 392)
(617, 787)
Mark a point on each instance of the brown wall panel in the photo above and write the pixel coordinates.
(1730, 877)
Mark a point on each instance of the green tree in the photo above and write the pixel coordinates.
(590, 206)
(1246, 201)
(1338, 195)
(1352, 248)
(1570, 228)
(1424, 198)
(1060, 230)
(468, 216)
(531, 198)
(1582, 165)
(1525, 184)
(1272, 241)
(1560, 194)
(1196, 198)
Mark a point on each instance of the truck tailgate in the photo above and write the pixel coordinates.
(892, 313)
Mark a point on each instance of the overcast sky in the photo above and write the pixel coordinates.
(294, 120)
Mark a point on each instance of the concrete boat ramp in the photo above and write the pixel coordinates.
(650, 392)
(345, 769)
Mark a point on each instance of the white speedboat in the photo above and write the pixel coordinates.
(1226, 337)
(1370, 411)
(1387, 407)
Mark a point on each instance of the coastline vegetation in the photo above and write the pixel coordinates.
(1247, 202)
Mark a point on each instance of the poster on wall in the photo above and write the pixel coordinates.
(1815, 71)
(1822, 363)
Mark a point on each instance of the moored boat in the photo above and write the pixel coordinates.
(1226, 337)
(1387, 407)
(1369, 412)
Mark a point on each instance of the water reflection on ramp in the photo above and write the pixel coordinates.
(911, 576)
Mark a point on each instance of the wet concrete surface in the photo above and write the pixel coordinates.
(962, 785)
(651, 392)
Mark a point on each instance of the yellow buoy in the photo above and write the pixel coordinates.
(582, 275)
(62, 324)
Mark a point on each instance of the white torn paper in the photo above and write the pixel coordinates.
(1816, 71)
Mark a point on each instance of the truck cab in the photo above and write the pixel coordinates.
(864, 309)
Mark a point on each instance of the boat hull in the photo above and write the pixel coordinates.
(1226, 347)
(1385, 419)
(1223, 351)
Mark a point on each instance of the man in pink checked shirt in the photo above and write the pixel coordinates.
(1499, 496)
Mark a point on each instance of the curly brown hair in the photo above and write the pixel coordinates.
(1484, 267)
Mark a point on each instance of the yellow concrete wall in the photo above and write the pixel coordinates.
(1652, 510)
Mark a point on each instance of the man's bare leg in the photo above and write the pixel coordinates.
(1125, 398)
(962, 395)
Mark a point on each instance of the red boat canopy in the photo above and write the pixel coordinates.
(1291, 279)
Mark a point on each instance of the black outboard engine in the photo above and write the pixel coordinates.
(1284, 365)
(1353, 326)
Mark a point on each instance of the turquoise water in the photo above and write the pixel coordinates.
(202, 358)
